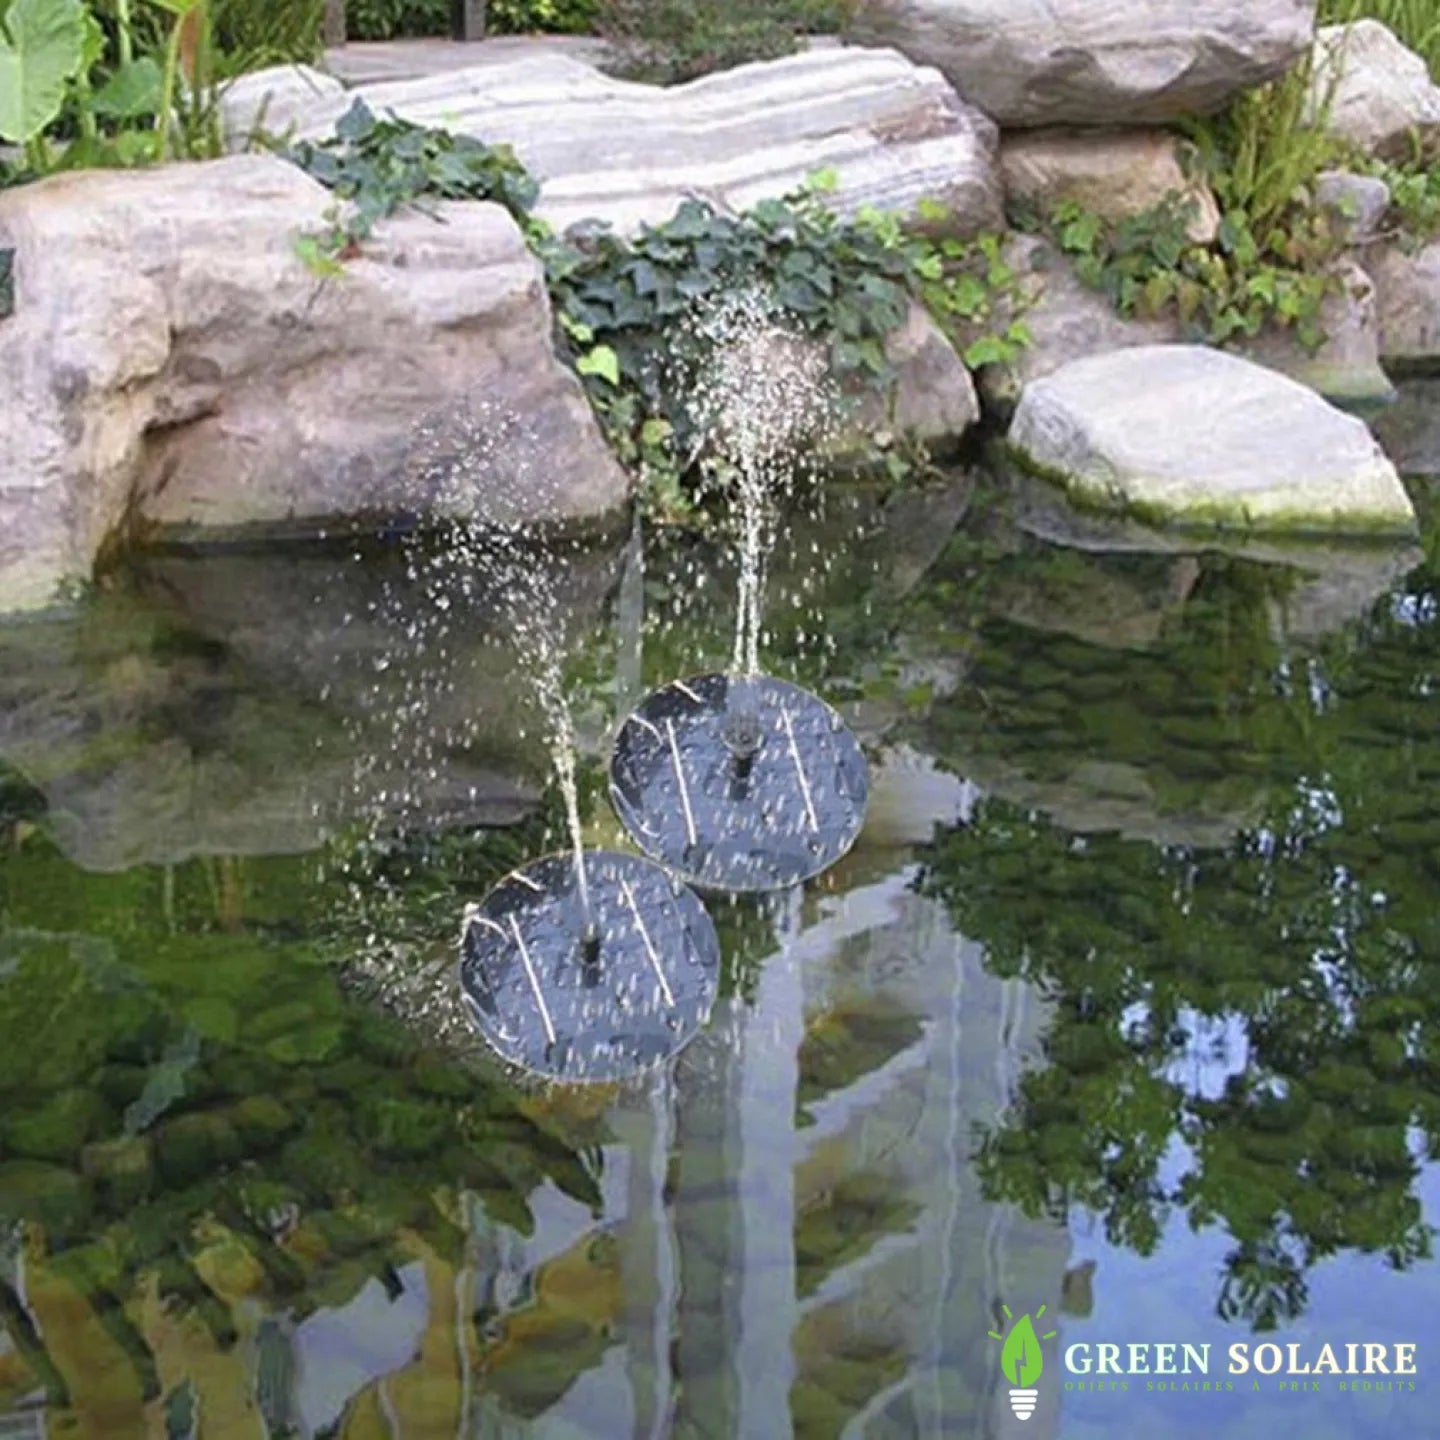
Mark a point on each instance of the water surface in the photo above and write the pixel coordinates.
(1125, 1004)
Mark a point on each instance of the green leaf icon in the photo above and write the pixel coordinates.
(1021, 1359)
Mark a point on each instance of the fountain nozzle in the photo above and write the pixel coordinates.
(742, 735)
(590, 952)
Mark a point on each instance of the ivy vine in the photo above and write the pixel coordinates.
(1235, 287)
(620, 302)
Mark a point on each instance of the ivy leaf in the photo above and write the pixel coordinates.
(988, 350)
(601, 361)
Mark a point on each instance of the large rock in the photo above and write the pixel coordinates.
(1068, 320)
(610, 150)
(1114, 173)
(934, 401)
(1194, 437)
(1346, 366)
(1379, 93)
(1093, 62)
(1410, 428)
(273, 100)
(173, 365)
(1407, 294)
(1356, 204)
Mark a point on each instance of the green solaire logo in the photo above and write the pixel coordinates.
(1022, 1361)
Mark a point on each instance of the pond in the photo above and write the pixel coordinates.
(1124, 1005)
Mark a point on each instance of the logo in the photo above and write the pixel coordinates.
(1022, 1361)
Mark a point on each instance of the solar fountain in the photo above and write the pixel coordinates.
(737, 780)
(586, 966)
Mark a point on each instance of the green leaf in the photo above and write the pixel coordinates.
(1021, 1359)
(988, 350)
(655, 432)
(42, 43)
(822, 182)
(601, 361)
(132, 91)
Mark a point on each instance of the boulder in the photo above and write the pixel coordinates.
(1114, 173)
(1067, 320)
(1407, 297)
(1346, 367)
(627, 154)
(1193, 437)
(172, 365)
(1410, 428)
(934, 400)
(1374, 92)
(273, 100)
(1094, 62)
(1357, 204)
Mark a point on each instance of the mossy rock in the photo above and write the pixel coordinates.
(123, 1169)
(57, 1198)
(56, 1128)
(311, 1045)
(194, 1147)
(261, 1121)
(404, 1127)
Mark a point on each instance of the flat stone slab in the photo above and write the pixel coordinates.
(366, 62)
(1189, 436)
(894, 133)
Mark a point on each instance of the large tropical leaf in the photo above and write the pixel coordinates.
(41, 45)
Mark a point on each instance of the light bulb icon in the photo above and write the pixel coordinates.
(1022, 1361)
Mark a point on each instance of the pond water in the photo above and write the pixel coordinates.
(1124, 1005)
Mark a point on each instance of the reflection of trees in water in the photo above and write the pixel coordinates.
(195, 1119)
(1274, 1006)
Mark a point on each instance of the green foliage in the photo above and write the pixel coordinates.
(671, 41)
(847, 283)
(1231, 289)
(1414, 185)
(251, 34)
(560, 17)
(380, 166)
(386, 19)
(1261, 154)
(7, 282)
(137, 90)
(42, 45)
(1271, 262)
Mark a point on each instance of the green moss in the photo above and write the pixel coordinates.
(195, 1147)
(1215, 517)
(54, 1197)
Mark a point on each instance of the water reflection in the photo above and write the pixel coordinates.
(1138, 939)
